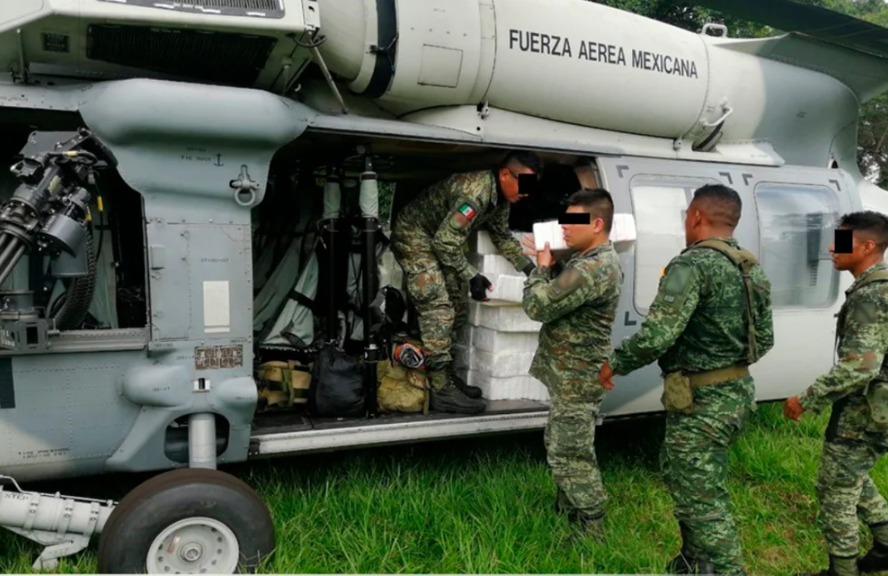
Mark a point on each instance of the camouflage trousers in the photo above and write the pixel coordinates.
(570, 444)
(440, 297)
(694, 459)
(846, 492)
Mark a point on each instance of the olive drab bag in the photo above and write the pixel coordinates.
(401, 389)
(283, 384)
(876, 392)
(744, 260)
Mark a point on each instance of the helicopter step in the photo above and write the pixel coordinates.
(277, 436)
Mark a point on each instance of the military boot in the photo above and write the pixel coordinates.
(586, 524)
(470, 391)
(876, 560)
(839, 567)
(687, 562)
(444, 396)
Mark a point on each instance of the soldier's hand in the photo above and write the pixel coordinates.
(606, 376)
(792, 408)
(544, 257)
(529, 245)
(478, 285)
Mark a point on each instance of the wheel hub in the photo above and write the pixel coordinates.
(191, 552)
(194, 546)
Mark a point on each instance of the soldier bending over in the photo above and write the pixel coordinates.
(428, 239)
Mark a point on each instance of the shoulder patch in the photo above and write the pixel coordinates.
(865, 312)
(676, 278)
(674, 284)
(466, 211)
(566, 283)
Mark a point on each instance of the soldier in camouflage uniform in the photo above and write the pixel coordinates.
(856, 387)
(428, 240)
(577, 308)
(700, 330)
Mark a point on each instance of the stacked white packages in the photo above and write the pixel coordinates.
(498, 344)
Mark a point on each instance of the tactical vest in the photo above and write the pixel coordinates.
(744, 260)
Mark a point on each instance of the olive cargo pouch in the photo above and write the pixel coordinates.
(877, 399)
(677, 393)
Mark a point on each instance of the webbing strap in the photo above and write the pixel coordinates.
(743, 260)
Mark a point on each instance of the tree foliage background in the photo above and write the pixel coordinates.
(873, 127)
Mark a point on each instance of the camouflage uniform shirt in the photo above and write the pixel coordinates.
(863, 340)
(577, 311)
(697, 321)
(449, 211)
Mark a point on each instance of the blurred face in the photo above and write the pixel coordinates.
(862, 248)
(581, 236)
(508, 178)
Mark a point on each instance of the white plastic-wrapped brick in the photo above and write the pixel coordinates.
(501, 365)
(507, 388)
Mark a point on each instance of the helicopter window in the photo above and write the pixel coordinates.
(796, 224)
(659, 204)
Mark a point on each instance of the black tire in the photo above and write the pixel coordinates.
(184, 494)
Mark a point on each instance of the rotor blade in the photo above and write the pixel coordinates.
(820, 23)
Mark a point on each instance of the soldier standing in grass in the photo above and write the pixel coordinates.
(711, 319)
(857, 388)
(428, 239)
(577, 309)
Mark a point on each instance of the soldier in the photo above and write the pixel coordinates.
(577, 308)
(857, 386)
(428, 240)
(709, 321)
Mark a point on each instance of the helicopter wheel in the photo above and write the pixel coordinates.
(187, 521)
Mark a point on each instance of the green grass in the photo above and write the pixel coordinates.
(485, 506)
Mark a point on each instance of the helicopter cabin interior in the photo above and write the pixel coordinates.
(287, 229)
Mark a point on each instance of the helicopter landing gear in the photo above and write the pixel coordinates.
(188, 521)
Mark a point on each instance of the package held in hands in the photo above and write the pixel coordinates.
(623, 230)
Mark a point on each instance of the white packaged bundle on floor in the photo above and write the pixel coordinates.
(501, 317)
(489, 340)
(489, 264)
(480, 242)
(508, 289)
(507, 388)
(501, 365)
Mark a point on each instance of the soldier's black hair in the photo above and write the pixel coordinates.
(869, 222)
(525, 158)
(722, 204)
(597, 202)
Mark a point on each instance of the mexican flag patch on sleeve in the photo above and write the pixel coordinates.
(463, 215)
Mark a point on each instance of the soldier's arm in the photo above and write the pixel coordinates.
(764, 319)
(676, 300)
(861, 352)
(452, 234)
(545, 300)
(506, 244)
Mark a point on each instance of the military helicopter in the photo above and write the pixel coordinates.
(193, 214)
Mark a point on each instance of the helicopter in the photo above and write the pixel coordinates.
(194, 231)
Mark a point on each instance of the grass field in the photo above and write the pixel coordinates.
(484, 506)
